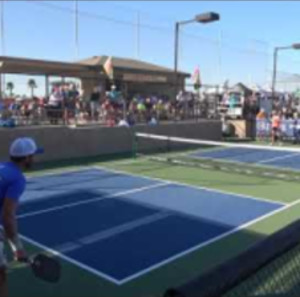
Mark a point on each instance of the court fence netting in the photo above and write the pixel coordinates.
(270, 267)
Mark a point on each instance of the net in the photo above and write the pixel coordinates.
(266, 161)
(269, 268)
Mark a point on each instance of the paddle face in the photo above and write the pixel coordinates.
(46, 268)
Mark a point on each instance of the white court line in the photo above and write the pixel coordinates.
(124, 227)
(88, 168)
(69, 205)
(104, 234)
(192, 186)
(278, 158)
(70, 260)
(58, 171)
(192, 249)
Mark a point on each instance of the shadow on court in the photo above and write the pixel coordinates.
(154, 243)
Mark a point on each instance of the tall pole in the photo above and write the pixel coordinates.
(275, 55)
(220, 56)
(76, 30)
(203, 18)
(2, 30)
(176, 58)
(47, 85)
(137, 35)
(2, 79)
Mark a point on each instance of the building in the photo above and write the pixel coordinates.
(131, 76)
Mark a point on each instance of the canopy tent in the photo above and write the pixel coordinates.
(217, 90)
(297, 93)
(241, 88)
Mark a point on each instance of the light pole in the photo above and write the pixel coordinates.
(203, 18)
(76, 31)
(295, 46)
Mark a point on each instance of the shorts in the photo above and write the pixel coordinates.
(276, 132)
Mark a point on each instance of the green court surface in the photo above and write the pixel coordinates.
(78, 282)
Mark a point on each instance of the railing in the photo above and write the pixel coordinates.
(289, 129)
(49, 115)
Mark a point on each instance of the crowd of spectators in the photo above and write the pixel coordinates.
(267, 112)
(67, 104)
(281, 121)
(288, 105)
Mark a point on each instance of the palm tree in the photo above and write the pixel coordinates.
(10, 86)
(32, 85)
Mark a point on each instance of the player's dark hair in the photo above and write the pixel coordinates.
(17, 160)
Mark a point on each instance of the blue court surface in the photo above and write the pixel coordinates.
(279, 159)
(121, 226)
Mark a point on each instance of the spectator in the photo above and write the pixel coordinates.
(130, 119)
(296, 128)
(148, 109)
(56, 98)
(2, 106)
(141, 108)
(123, 123)
(114, 97)
(72, 95)
(159, 109)
(261, 124)
(152, 121)
(276, 124)
(55, 105)
(95, 103)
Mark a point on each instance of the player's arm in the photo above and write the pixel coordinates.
(9, 219)
(10, 226)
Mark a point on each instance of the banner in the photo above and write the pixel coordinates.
(288, 128)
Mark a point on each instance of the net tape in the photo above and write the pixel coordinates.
(216, 143)
(261, 170)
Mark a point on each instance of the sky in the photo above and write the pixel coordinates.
(239, 47)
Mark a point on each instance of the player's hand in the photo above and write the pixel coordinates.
(21, 256)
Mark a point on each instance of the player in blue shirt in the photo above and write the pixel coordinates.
(12, 186)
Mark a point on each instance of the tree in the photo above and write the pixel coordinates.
(32, 85)
(10, 86)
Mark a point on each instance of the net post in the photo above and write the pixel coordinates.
(134, 145)
(168, 145)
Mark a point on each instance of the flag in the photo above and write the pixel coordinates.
(196, 79)
(108, 67)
